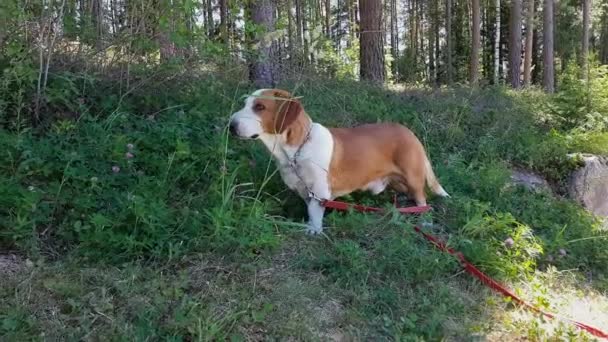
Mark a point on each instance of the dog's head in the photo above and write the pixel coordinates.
(266, 111)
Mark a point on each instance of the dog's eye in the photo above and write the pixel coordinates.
(259, 107)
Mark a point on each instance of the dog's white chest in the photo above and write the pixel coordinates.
(296, 177)
(305, 168)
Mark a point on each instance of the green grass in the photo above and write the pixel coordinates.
(196, 238)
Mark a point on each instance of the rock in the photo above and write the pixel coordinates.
(529, 180)
(10, 264)
(589, 184)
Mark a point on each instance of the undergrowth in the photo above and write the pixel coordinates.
(155, 178)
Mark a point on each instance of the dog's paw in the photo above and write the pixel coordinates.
(312, 230)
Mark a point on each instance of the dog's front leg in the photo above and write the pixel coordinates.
(320, 190)
(315, 216)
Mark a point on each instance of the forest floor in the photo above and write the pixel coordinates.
(194, 237)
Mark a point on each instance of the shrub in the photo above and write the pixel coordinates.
(580, 104)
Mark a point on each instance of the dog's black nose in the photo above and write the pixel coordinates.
(233, 127)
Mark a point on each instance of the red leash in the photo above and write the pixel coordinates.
(343, 206)
(470, 268)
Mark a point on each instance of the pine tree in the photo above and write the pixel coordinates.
(448, 29)
(394, 35)
(371, 41)
(528, 50)
(603, 53)
(585, 47)
(548, 67)
(474, 68)
(497, 44)
(515, 44)
(263, 71)
(224, 21)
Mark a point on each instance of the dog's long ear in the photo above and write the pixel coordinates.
(287, 111)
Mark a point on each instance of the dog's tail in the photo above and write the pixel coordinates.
(432, 181)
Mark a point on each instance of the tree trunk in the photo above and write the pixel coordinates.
(279, 53)
(410, 18)
(305, 32)
(474, 72)
(437, 47)
(413, 38)
(319, 6)
(604, 38)
(487, 41)
(338, 33)
(205, 16)
(536, 56)
(432, 18)
(224, 21)
(264, 66)
(232, 30)
(97, 23)
(299, 36)
(71, 11)
(515, 43)
(357, 19)
(394, 36)
(548, 67)
(529, 40)
(352, 21)
(291, 48)
(210, 22)
(448, 29)
(585, 50)
(497, 45)
(371, 41)
(420, 30)
(327, 18)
